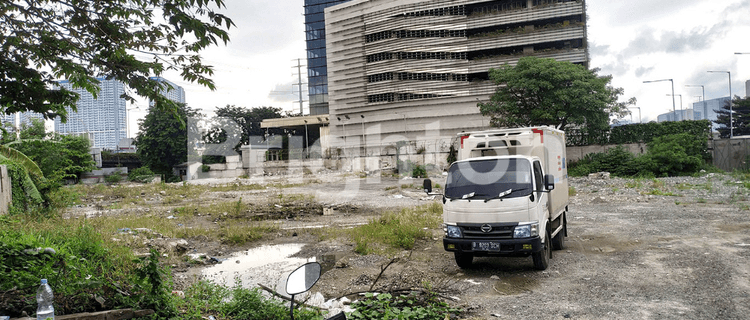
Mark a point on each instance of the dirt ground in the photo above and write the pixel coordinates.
(668, 248)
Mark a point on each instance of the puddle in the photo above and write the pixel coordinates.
(515, 285)
(267, 265)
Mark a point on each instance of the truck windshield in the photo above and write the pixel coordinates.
(489, 178)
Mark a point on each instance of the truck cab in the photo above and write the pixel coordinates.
(503, 200)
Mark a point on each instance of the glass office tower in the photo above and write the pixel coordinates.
(317, 72)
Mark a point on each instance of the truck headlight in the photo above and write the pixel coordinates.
(526, 230)
(452, 231)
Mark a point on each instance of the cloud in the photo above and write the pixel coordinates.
(641, 71)
(287, 92)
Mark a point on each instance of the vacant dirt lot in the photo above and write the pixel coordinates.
(668, 248)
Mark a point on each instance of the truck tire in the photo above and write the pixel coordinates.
(463, 260)
(541, 258)
(558, 242)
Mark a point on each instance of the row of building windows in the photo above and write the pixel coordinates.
(414, 34)
(448, 11)
(417, 76)
(416, 56)
(500, 7)
(390, 97)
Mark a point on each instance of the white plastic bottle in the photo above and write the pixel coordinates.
(44, 299)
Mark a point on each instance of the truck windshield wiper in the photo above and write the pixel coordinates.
(463, 197)
(504, 193)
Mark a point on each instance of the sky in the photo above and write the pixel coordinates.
(633, 41)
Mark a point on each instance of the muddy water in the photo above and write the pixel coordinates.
(267, 265)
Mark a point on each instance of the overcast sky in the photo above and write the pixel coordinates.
(633, 41)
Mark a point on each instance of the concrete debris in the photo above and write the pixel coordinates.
(599, 175)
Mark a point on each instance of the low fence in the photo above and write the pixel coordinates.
(731, 154)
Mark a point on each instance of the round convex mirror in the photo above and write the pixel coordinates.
(303, 278)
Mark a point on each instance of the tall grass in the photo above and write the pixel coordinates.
(396, 230)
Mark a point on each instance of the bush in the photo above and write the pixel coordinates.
(418, 172)
(142, 175)
(114, 177)
(205, 168)
(669, 155)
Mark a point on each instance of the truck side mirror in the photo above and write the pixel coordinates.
(549, 182)
(427, 185)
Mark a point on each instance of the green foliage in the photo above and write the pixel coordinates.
(114, 177)
(62, 157)
(205, 168)
(142, 175)
(249, 120)
(418, 172)
(452, 155)
(25, 195)
(740, 117)
(249, 304)
(396, 230)
(647, 132)
(540, 91)
(162, 142)
(80, 268)
(670, 155)
(404, 307)
(126, 40)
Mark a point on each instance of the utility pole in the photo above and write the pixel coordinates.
(299, 85)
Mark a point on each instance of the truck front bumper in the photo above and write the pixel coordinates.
(494, 247)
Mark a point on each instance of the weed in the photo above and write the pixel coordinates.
(633, 184)
(572, 191)
(657, 184)
(396, 230)
(412, 306)
(657, 192)
(701, 200)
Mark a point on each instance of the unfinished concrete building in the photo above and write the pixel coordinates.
(411, 72)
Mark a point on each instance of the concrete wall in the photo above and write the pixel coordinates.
(6, 194)
(97, 176)
(577, 153)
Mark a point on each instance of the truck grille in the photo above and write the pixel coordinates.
(499, 231)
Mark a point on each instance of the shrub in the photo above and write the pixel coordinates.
(418, 172)
(205, 168)
(114, 177)
(142, 175)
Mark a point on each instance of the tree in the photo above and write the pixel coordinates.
(556, 93)
(162, 142)
(249, 120)
(78, 40)
(740, 117)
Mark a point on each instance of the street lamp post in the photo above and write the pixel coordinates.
(682, 113)
(307, 141)
(670, 80)
(364, 141)
(731, 117)
(705, 111)
(639, 114)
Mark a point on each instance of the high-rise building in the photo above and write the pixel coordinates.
(417, 68)
(170, 90)
(102, 119)
(706, 110)
(317, 72)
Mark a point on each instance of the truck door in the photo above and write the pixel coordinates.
(539, 195)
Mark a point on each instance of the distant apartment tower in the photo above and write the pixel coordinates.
(17, 120)
(706, 110)
(317, 71)
(417, 68)
(170, 90)
(102, 119)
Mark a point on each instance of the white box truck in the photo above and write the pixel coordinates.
(507, 195)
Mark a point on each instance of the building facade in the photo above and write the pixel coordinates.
(317, 71)
(414, 70)
(706, 110)
(102, 119)
(170, 90)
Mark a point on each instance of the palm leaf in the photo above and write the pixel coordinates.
(22, 160)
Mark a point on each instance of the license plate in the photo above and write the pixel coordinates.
(485, 246)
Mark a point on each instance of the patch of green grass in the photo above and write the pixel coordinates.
(657, 192)
(396, 230)
(239, 234)
(684, 186)
(634, 184)
(701, 200)
(572, 191)
(657, 184)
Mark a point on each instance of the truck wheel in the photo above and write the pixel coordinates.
(558, 242)
(463, 260)
(541, 258)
